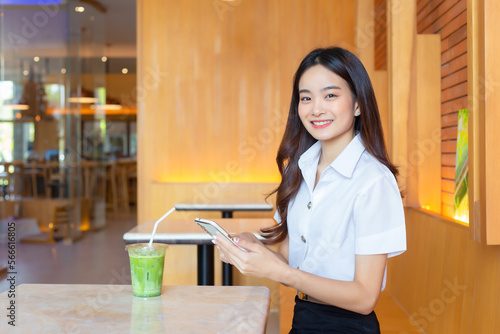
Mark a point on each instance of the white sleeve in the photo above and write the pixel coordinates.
(277, 217)
(379, 220)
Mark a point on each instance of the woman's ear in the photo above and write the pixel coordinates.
(356, 109)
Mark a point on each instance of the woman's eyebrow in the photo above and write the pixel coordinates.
(322, 89)
(330, 87)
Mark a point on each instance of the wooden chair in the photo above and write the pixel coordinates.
(125, 170)
(56, 179)
(34, 172)
(111, 186)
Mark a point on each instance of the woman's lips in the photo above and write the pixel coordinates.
(321, 124)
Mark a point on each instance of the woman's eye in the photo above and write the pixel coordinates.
(330, 96)
(305, 98)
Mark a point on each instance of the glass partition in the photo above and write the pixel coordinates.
(51, 72)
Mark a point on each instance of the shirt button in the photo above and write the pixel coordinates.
(309, 205)
(303, 238)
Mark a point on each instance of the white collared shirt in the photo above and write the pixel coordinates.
(356, 208)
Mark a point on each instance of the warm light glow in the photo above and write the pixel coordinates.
(124, 70)
(187, 177)
(26, 72)
(82, 100)
(463, 218)
(63, 70)
(19, 115)
(16, 106)
(104, 59)
(36, 59)
(107, 107)
(91, 111)
(79, 9)
(37, 118)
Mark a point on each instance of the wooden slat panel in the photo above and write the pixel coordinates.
(454, 92)
(454, 106)
(454, 65)
(449, 120)
(448, 185)
(454, 52)
(453, 25)
(454, 11)
(448, 172)
(454, 79)
(448, 159)
(421, 5)
(449, 18)
(435, 14)
(431, 7)
(454, 38)
(380, 16)
(449, 146)
(449, 133)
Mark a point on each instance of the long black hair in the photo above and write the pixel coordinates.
(296, 140)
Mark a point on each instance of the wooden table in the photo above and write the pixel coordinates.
(226, 207)
(74, 308)
(187, 232)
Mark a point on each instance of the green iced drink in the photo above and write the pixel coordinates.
(146, 268)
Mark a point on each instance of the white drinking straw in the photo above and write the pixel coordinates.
(156, 225)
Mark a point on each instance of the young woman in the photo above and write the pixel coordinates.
(339, 209)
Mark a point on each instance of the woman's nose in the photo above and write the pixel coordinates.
(318, 109)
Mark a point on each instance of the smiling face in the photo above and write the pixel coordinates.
(327, 107)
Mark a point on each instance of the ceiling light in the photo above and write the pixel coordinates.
(104, 59)
(26, 72)
(124, 70)
(82, 100)
(63, 70)
(16, 106)
(36, 59)
(79, 9)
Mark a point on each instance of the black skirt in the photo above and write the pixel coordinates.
(309, 317)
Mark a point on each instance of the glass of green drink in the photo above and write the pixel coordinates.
(146, 268)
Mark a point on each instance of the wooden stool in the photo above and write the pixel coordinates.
(111, 186)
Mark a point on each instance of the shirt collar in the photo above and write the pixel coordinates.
(344, 163)
(349, 157)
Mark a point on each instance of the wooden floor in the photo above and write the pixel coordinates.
(100, 258)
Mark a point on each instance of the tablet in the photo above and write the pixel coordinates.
(214, 229)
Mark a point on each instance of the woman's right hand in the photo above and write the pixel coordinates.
(247, 236)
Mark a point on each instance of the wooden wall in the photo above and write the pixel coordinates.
(214, 83)
(380, 15)
(446, 281)
(448, 18)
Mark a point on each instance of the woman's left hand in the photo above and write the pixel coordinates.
(258, 261)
